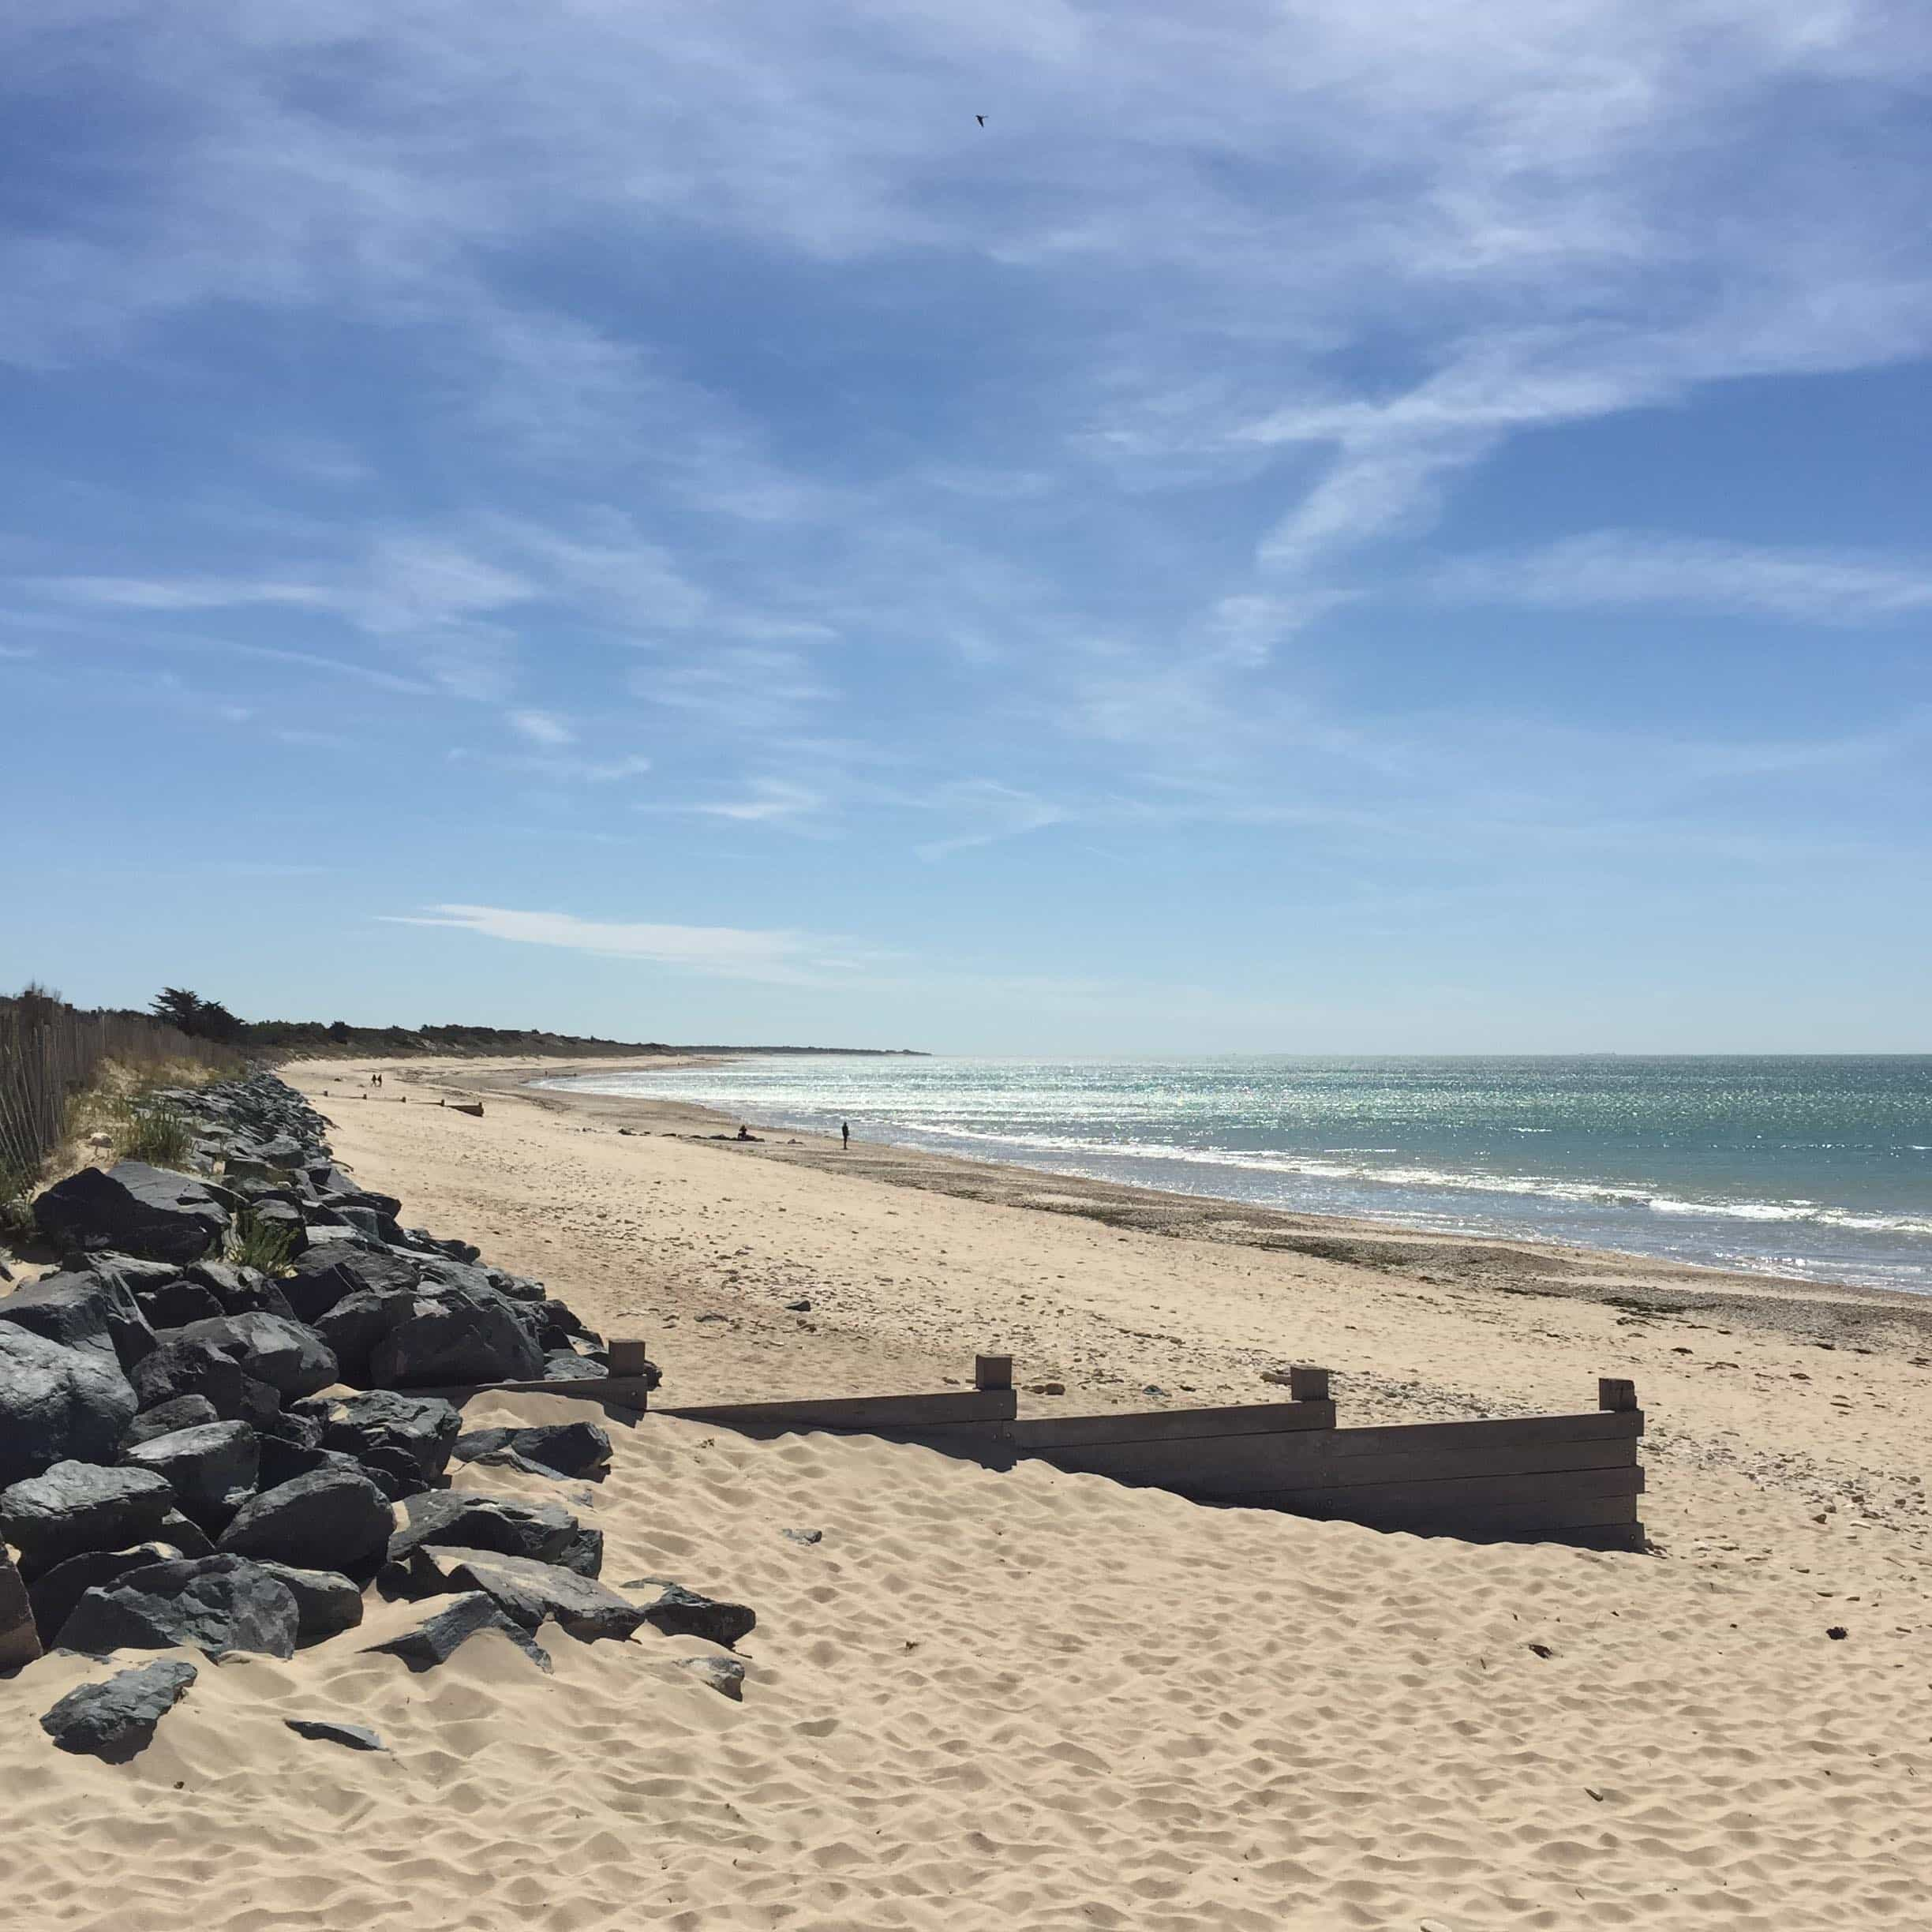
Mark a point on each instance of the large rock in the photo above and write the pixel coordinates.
(20, 1639)
(212, 1469)
(329, 1520)
(176, 1302)
(136, 1276)
(53, 1595)
(57, 1402)
(183, 1412)
(293, 1360)
(680, 1612)
(179, 1368)
(210, 1603)
(134, 1209)
(407, 1437)
(239, 1290)
(116, 1719)
(529, 1592)
(562, 1449)
(79, 1506)
(83, 1310)
(542, 1531)
(331, 1270)
(437, 1638)
(444, 1336)
(326, 1602)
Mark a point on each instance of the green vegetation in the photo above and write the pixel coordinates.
(156, 1135)
(258, 1244)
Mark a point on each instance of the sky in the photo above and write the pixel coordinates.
(1316, 528)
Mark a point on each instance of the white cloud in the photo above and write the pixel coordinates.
(1617, 568)
(772, 801)
(776, 958)
(543, 727)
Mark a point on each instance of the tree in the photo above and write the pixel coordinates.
(177, 1007)
(198, 1018)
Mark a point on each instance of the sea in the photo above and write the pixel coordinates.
(1813, 1168)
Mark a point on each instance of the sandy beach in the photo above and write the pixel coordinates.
(1041, 1700)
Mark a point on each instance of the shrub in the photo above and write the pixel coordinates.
(158, 1136)
(258, 1244)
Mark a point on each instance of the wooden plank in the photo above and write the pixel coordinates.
(863, 1414)
(1528, 1523)
(1229, 1465)
(1472, 1497)
(1591, 1425)
(1032, 1434)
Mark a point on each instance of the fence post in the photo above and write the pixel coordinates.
(1307, 1384)
(1615, 1392)
(992, 1371)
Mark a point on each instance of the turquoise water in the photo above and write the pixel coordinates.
(1817, 1168)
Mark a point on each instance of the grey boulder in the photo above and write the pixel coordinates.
(211, 1469)
(211, 1603)
(443, 1335)
(542, 1531)
(529, 1591)
(561, 1449)
(409, 1437)
(679, 1613)
(116, 1719)
(326, 1602)
(180, 1366)
(331, 1271)
(176, 1302)
(182, 1412)
(83, 1310)
(54, 1594)
(135, 1209)
(75, 1506)
(293, 1360)
(239, 1290)
(57, 1402)
(437, 1638)
(19, 1633)
(331, 1519)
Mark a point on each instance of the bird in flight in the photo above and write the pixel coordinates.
(980, 118)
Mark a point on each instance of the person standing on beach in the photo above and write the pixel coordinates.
(845, 1135)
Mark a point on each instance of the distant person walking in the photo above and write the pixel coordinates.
(845, 1135)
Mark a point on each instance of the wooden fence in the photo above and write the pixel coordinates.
(1563, 1478)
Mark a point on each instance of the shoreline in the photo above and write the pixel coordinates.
(1620, 1278)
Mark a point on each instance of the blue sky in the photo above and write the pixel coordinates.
(1319, 527)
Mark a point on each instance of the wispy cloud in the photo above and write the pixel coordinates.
(1608, 569)
(543, 727)
(776, 958)
(769, 801)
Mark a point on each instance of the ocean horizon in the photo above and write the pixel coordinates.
(1810, 1167)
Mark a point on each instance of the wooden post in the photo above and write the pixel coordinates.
(992, 1371)
(1614, 1392)
(628, 1358)
(1307, 1384)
